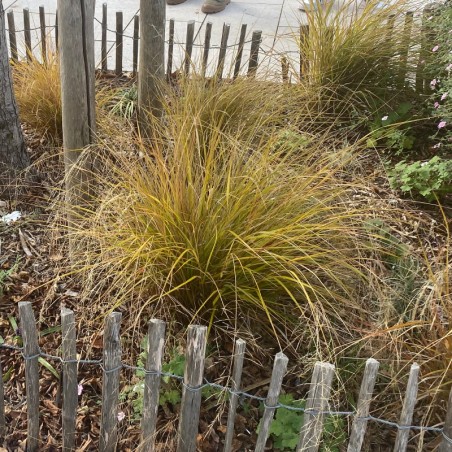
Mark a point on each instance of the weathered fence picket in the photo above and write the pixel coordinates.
(42, 25)
(70, 386)
(223, 48)
(279, 370)
(136, 39)
(318, 397)
(119, 42)
(317, 406)
(406, 416)
(12, 36)
(239, 356)
(156, 340)
(407, 27)
(254, 53)
(31, 355)
(27, 34)
(362, 409)
(191, 391)
(205, 54)
(56, 30)
(103, 51)
(239, 54)
(169, 64)
(110, 383)
(189, 46)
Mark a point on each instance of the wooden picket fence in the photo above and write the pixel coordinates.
(248, 47)
(317, 406)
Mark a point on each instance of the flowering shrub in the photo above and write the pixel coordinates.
(440, 68)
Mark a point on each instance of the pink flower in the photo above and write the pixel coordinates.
(121, 416)
(435, 48)
(444, 96)
(449, 68)
(442, 124)
(436, 105)
(79, 389)
(384, 118)
(433, 83)
(437, 146)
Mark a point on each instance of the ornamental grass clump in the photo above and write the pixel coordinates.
(38, 93)
(216, 221)
(357, 52)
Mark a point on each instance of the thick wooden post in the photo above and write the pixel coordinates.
(304, 36)
(151, 71)
(12, 36)
(110, 383)
(70, 387)
(56, 30)
(156, 340)
(191, 394)
(31, 355)
(77, 91)
(2, 406)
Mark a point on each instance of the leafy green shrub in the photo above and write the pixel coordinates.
(285, 427)
(428, 179)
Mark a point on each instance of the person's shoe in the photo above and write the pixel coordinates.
(174, 2)
(214, 6)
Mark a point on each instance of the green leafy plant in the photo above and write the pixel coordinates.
(429, 179)
(123, 101)
(4, 275)
(285, 427)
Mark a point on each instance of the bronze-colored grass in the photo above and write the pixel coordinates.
(38, 93)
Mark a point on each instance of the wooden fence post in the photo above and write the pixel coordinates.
(151, 71)
(191, 393)
(42, 23)
(319, 394)
(239, 356)
(2, 405)
(407, 409)
(77, 92)
(27, 34)
(136, 41)
(103, 50)
(31, 355)
(110, 383)
(205, 54)
(156, 340)
(70, 386)
(119, 42)
(238, 57)
(285, 69)
(189, 46)
(223, 48)
(362, 409)
(12, 36)
(279, 370)
(446, 443)
(169, 64)
(254, 53)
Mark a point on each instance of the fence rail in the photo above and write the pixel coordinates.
(316, 410)
(232, 58)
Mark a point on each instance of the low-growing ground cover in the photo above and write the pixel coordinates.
(261, 210)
